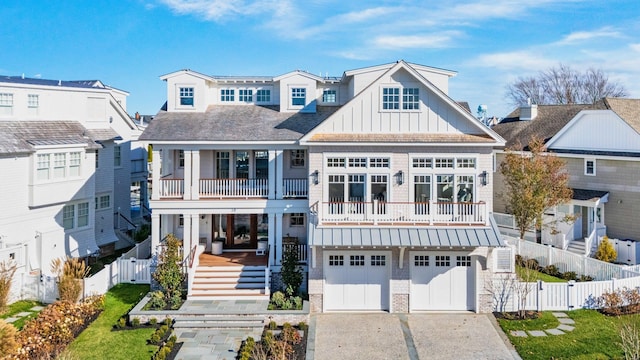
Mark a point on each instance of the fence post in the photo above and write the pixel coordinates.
(613, 284)
(549, 255)
(571, 294)
(539, 288)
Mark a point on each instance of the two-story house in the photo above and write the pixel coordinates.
(600, 144)
(378, 177)
(64, 156)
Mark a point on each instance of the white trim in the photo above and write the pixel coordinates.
(586, 172)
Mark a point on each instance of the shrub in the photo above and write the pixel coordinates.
(122, 323)
(620, 302)
(169, 273)
(8, 334)
(142, 233)
(247, 348)
(69, 272)
(153, 321)
(7, 270)
(135, 322)
(606, 252)
(157, 301)
(303, 326)
(551, 270)
(291, 273)
(569, 275)
(273, 325)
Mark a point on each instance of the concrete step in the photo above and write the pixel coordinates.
(229, 321)
(227, 280)
(232, 285)
(227, 292)
(218, 273)
(217, 325)
(233, 268)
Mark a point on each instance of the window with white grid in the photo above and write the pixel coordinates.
(43, 166)
(74, 164)
(298, 96)
(33, 101)
(422, 163)
(410, 99)
(6, 104)
(391, 98)
(59, 165)
(263, 95)
(83, 214)
(336, 260)
(186, 96)
(466, 163)
(245, 95)
(379, 162)
(335, 162)
(298, 158)
(227, 95)
(442, 163)
(357, 162)
(328, 96)
(68, 216)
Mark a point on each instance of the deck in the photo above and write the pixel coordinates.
(248, 258)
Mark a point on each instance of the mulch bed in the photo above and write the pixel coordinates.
(515, 315)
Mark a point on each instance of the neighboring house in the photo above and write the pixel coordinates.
(378, 178)
(64, 159)
(600, 144)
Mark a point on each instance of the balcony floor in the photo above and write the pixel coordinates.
(248, 258)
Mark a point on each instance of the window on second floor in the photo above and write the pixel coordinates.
(245, 95)
(33, 101)
(181, 158)
(329, 96)
(297, 158)
(590, 167)
(103, 202)
(68, 216)
(263, 95)
(390, 98)
(298, 96)
(58, 165)
(6, 104)
(297, 219)
(186, 96)
(117, 156)
(75, 216)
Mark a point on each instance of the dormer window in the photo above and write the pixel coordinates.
(410, 99)
(263, 95)
(329, 96)
(391, 99)
(186, 96)
(298, 96)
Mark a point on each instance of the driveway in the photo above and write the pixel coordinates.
(371, 336)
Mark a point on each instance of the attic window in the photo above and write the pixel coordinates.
(410, 99)
(186, 96)
(298, 96)
(391, 98)
(329, 96)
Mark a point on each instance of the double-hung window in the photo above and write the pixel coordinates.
(43, 166)
(298, 96)
(227, 95)
(186, 96)
(74, 164)
(59, 165)
(68, 216)
(6, 104)
(83, 214)
(117, 156)
(33, 101)
(245, 95)
(590, 167)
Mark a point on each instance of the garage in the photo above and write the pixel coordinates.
(441, 281)
(356, 281)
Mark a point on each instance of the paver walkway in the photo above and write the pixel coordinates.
(34, 310)
(566, 324)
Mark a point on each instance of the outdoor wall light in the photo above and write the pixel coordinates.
(484, 178)
(315, 177)
(399, 177)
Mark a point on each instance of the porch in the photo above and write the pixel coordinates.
(291, 188)
(248, 258)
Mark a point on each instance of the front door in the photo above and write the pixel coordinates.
(240, 231)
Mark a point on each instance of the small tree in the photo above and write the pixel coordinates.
(291, 272)
(533, 182)
(169, 273)
(7, 270)
(528, 275)
(69, 272)
(606, 252)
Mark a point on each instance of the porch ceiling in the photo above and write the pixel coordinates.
(586, 197)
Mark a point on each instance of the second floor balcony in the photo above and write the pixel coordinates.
(235, 188)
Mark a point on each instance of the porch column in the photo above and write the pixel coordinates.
(155, 174)
(186, 235)
(155, 232)
(278, 247)
(195, 180)
(271, 236)
(195, 231)
(187, 176)
(279, 173)
(273, 176)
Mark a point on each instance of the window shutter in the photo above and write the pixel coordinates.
(503, 260)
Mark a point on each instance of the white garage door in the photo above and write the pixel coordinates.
(356, 280)
(442, 281)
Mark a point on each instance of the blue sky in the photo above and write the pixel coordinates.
(128, 44)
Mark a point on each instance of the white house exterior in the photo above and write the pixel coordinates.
(600, 145)
(64, 159)
(377, 177)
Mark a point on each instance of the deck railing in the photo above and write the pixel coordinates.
(398, 212)
(234, 188)
(299, 249)
(171, 188)
(295, 188)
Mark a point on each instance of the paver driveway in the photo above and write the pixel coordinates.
(408, 337)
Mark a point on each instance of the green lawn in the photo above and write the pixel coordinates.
(539, 276)
(595, 336)
(18, 307)
(99, 342)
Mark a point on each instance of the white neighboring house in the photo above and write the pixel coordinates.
(378, 179)
(64, 160)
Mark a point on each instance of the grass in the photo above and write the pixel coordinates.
(18, 307)
(538, 275)
(99, 342)
(595, 336)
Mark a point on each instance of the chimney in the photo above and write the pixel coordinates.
(529, 111)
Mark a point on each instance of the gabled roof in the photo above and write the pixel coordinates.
(390, 65)
(299, 72)
(627, 109)
(24, 136)
(186, 71)
(85, 84)
(234, 123)
(550, 120)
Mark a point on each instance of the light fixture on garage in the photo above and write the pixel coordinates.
(484, 178)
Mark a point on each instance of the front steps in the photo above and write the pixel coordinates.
(220, 321)
(228, 282)
(577, 246)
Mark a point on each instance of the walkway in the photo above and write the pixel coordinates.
(33, 311)
(566, 325)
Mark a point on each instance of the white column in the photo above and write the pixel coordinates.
(195, 180)
(272, 175)
(279, 173)
(271, 236)
(187, 175)
(195, 231)
(186, 234)
(278, 247)
(155, 176)
(155, 231)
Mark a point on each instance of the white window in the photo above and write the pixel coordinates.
(68, 216)
(245, 95)
(590, 167)
(43, 166)
(186, 96)
(422, 163)
(298, 96)
(329, 96)
(227, 95)
(379, 162)
(357, 162)
(117, 156)
(33, 101)
(6, 104)
(410, 99)
(263, 95)
(335, 162)
(466, 163)
(297, 219)
(391, 98)
(83, 214)
(74, 164)
(444, 163)
(103, 202)
(59, 165)
(297, 158)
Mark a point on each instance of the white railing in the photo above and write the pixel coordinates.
(395, 212)
(295, 188)
(568, 261)
(221, 188)
(300, 250)
(588, 242)
(171, 188)
(193, 266)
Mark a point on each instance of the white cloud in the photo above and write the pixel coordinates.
(420, 41)
(581, 36)
(216, 10)
(522, 60)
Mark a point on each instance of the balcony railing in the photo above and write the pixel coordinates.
(418, 213)
(171, 188)
(295, 188)
(299, 249)
(234, 188)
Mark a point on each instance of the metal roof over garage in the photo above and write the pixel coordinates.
(406, 236)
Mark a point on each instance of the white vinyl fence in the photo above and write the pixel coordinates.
(142, 250)
(128, 271)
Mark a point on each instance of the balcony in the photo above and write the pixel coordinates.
(391, 213)
(234, 188)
